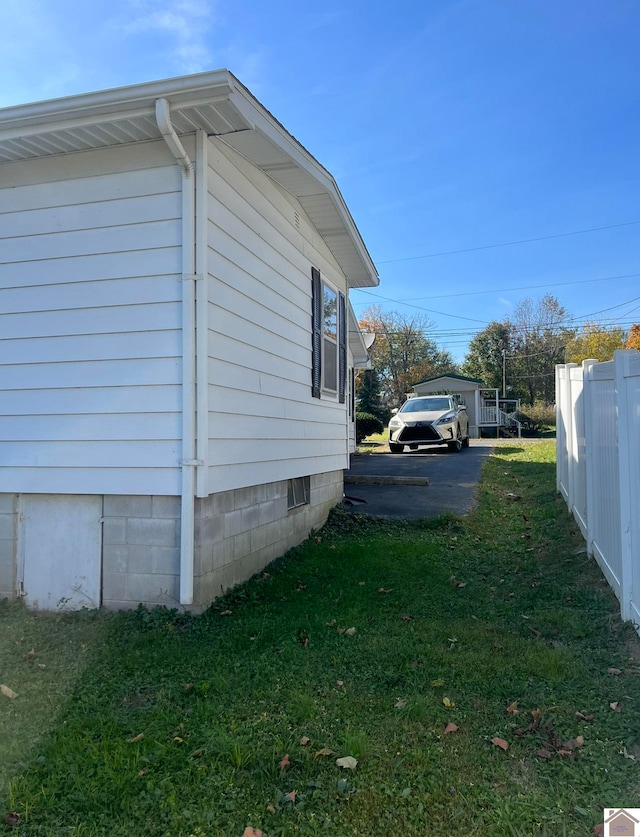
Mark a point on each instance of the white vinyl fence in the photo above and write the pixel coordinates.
(598, 465)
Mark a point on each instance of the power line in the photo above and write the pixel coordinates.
(509, 243)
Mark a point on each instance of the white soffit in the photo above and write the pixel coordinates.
(215, 102)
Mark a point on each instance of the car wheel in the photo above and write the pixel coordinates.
(465, 441)
(456, 445)
(395, 448)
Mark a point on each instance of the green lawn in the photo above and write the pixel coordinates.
(188, 727)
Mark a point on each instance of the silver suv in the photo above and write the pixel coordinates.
(430, 420)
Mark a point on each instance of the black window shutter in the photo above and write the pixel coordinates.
(342, 349)
(316, 333)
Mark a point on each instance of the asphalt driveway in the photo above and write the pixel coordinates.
(453, 478)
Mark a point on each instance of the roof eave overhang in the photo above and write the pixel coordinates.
(215, 102)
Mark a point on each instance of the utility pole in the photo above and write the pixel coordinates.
(504, 373)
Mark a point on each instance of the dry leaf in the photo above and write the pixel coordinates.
(615, 671)
(7, 692)
(400, 703)
(616, 706)
(340, 683)
(271, 809)
(627, 755)
(450, 727)
(136, 738)
(347, 762)
(500, 742)
(385, 589)
(226, 612)
(301, 586)
(251, 832)
(535, 714)
(325, 751)
(584, 717)
(30, 654)
(573, 743)
(543, 754)
(534, 632)
(12, 818)
(341, 630)
(351, 631)
(512, 709)
(456, 583)
(437, 682)
(284, 762)
(361, 583)
(41, 665)
(406, 617)
(332, 623)
(512, 496)
(304, 741)
(448, 702)
(291, 796)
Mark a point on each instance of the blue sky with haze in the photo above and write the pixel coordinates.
(448, 125)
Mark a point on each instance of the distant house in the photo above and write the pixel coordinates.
(176, 343)
(485, 409)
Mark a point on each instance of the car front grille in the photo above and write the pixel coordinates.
(426, 433)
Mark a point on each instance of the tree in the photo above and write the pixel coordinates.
(369, 396)
(402, 353)
(633, 340)
(594, 341)
(484, 356)
(538, 341)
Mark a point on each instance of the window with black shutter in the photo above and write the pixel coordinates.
(316, 333)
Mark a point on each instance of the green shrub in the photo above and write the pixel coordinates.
(366, 424)
(544, 415)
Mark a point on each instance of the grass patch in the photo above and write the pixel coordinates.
(179, 725)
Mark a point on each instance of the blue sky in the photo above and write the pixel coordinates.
(448, 124)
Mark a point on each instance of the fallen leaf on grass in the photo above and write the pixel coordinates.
(226, 612)
(400, 703)
(284, 762)
(340, 683)
(351, 631)
(136, 738)
(512, 496)
(456, 583)
(325, 751)
(30, 654)
(616, 706)
(361, 583)
(573, 743)
(41, 665)
(271, 809)
(500, 742)
(251, 832)
(304, 741)
(437, 682)
(332, 623)
(512, 709)
(347, 762)
(406, 617)
(614, 671)
(543, 754)
(535, 714)
(7, 692)
(291, 796)
(534, 632)
(12, 818)
(627, 755)
(448, 703)
(385, 589)
(450, 727)
(584, 717)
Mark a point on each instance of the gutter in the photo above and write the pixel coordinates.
(188, 461)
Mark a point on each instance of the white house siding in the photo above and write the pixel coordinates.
(90, 261)
(264, 425)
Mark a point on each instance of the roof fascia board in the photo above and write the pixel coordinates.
(108, 105)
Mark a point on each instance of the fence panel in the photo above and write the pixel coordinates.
(598, 465)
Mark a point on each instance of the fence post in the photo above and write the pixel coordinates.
(592, 488)
(623, 437)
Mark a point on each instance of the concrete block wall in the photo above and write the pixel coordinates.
(239, 532)
(140, 551)
(8, 503)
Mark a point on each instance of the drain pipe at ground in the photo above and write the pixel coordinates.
(188, 461)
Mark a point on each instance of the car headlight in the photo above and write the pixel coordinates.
(447, 418)
(395, 423)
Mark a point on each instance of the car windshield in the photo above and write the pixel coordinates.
(425, 405)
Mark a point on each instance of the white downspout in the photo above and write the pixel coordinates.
(188, 461)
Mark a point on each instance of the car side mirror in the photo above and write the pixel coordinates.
(462, 406)
(394, 411)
